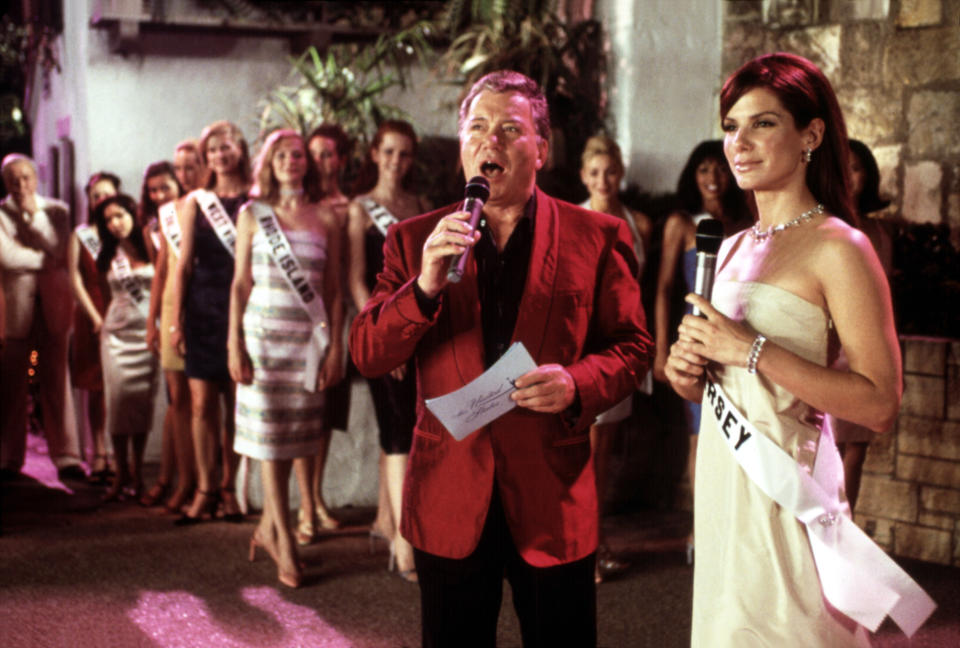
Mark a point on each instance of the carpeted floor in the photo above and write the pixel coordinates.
(74, 573)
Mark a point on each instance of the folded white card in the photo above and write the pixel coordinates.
(486, 397)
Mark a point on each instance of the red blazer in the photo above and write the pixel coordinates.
(581, 309)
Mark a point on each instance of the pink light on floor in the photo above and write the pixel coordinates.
(181, 620)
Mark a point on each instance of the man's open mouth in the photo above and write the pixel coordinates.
(491, 169)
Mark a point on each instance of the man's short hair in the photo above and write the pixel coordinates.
(511, 81)
(13, 158)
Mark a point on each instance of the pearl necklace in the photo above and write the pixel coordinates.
(760, 236)
(290, 193)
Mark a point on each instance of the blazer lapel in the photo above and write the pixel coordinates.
(466, 329)
(541, 275)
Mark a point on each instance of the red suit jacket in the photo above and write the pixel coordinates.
(580, 309)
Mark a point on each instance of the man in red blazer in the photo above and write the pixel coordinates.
(516, 497)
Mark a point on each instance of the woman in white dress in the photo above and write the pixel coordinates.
(271, 334)
(601, 172)
(790, 289)
(129, 368)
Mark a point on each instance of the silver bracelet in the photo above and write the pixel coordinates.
(754, 356)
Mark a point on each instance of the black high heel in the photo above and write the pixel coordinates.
(153, 496)
(212, 500)
(236, 517)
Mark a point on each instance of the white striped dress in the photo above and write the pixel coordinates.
(276, 418)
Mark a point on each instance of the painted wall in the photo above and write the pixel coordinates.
(664, 73)
(124, 111)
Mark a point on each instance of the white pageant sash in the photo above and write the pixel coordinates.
(379, 214)
(217, 217)
(90, 238)
(293, 273)
(121, 267)
(857, 577)
(170, 226)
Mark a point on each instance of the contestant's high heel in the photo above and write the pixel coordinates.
(155, 494)
(234, 516)
(607, 565)
(209, 505)
(409, 575)
(327, 521)
(292, 580)
(375, 535)
(100, 473)
(306, 532)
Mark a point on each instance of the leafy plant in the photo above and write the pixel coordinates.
(21, 48)
(528, 36)
(345, 84)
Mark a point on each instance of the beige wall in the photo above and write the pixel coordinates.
(895, 66)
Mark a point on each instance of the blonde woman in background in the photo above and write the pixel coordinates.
(279, 415)
(601, 172)
(201, 301)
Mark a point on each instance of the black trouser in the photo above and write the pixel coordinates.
(460, 599)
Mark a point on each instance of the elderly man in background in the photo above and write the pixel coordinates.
(33, 236)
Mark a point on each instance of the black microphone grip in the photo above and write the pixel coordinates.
(477, 191)
(459, 263)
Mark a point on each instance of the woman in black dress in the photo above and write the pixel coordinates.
(202, 281)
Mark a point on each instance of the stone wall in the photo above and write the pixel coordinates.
(895, 65)
(910, 494)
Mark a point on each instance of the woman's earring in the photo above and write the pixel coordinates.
(808, 155)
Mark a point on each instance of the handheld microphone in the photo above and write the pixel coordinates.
(709, 238)
(475, 194)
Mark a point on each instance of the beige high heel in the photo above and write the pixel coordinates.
(327, 521)
(292, 580)
(306, 532)
(409, 575)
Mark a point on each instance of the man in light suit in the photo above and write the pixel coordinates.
(39, 308)
(517, 497)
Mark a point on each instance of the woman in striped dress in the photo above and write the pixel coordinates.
(279, 402)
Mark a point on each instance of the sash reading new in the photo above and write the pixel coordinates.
(293, 273)
(217, 216)
(88, 236)
(121, 267)
(170, 226)
(856, 576)
(379, 214)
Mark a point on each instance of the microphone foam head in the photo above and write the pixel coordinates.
(477, 188)
(709, 235)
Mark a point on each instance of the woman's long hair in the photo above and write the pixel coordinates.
(869, 199)
(94, 179)
(108, 241)
(807, 95)
(602, 144)
(367, 176)
(265, 185)
(227, 129)
(690, 200)
(148, 208)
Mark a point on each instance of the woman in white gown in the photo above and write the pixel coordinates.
(129, 368)
(801, 282)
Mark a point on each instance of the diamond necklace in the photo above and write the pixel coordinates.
(762, 235)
